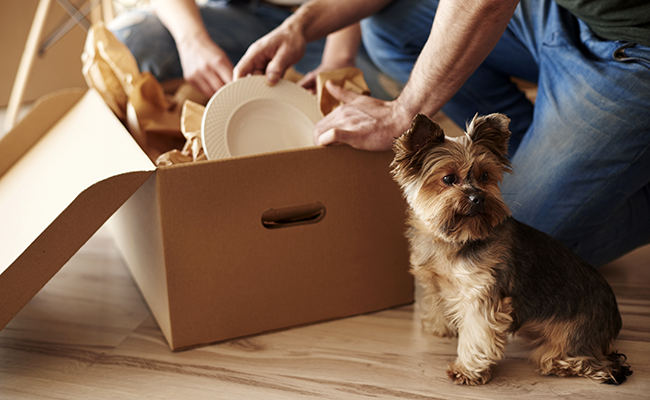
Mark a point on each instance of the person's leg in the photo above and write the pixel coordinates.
(582, 171)
(149, 41)
(396, 36)
(381, 85)
(233, 25)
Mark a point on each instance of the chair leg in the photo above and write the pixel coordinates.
(26, 63)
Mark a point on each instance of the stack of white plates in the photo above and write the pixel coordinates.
(248, 116)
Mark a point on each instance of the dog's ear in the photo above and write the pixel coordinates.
(490, 131)
(412, 147)
(423, 131)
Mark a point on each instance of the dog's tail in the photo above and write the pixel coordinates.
(620, 370)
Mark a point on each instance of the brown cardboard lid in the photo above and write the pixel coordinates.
(64, 170)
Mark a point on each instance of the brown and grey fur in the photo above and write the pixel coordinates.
(485, 275)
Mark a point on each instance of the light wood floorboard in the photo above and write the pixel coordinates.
(89, 335)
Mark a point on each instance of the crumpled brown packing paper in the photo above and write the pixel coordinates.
(348, 78)
(138, 99)
(109, 67)
(191, 117)
(152, 118)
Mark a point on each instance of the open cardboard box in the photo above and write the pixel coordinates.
(219, 249)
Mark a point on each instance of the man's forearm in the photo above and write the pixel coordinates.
(462, 36)
(181, 18)
(318, 18)
(342, 46)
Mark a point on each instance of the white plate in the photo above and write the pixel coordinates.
(248, 116)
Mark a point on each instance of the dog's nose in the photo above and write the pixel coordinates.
(477, 198)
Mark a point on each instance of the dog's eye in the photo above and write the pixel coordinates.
(449, 179)
(485, 177)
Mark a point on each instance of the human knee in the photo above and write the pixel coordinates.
(149, 41)
(376, 39)
(395, 36)
(135, 27)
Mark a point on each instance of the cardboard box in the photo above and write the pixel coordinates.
(219, 249)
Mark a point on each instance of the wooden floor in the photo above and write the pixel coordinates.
(89, 335)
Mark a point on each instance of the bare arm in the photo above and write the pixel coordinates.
(204, 63)
(284, 46)
(340, 51)
(462, 35)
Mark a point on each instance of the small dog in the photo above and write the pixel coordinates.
(486, 275)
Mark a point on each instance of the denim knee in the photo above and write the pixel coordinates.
(395, 36)
(150, 43)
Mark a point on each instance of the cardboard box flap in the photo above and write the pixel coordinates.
(45, 112)
(79, 168)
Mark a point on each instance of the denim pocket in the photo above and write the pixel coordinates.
(631, 52)
(610, 50)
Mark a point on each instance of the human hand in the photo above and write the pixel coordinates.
(340, 51)
(272, 54)
(205, 65)
(362, 122)
(309, 81)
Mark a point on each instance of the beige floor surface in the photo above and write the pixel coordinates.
(89, 335)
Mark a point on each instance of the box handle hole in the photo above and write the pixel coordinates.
(285, 217)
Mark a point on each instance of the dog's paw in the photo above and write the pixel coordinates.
(461, 376)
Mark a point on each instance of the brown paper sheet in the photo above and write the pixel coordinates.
(191, 117)
(348, 78)
(109, 67)
(138, 99)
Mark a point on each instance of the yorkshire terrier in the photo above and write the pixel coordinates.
(486, 275)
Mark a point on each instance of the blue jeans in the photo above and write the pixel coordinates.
(581, 153)
(234, 25)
